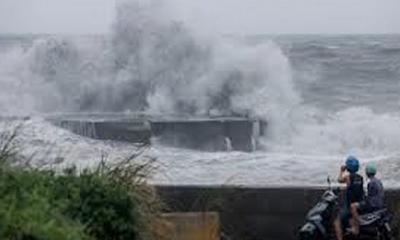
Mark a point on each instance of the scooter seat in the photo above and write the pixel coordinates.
(370, 218)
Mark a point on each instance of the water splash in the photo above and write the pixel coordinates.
(153, 62)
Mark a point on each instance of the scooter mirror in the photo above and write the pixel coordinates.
(328, 179)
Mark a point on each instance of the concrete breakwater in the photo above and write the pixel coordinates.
(201, 133)
(254, 213)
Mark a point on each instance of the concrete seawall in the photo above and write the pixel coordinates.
(272, 213)
(201, 133)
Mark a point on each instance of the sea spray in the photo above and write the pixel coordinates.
(154, 62)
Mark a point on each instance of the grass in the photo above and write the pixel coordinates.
(110, 202)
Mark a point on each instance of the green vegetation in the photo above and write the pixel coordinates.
(110, 202)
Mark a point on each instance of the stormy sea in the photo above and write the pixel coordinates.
(324, 97)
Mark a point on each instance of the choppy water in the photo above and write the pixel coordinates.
(324, 96)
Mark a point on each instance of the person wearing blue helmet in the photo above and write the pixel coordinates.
(354, 193)
(373, 200)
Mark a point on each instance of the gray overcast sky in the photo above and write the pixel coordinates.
(222, 16)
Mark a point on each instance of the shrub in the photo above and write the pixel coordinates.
(111, 202)
(8, 149)
(26, 211)
(108, 210)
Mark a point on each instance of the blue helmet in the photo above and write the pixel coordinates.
(352, 164)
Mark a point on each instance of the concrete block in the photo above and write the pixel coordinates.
(127, 131)
(188, 226)
(201, 135)
(209, 134)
